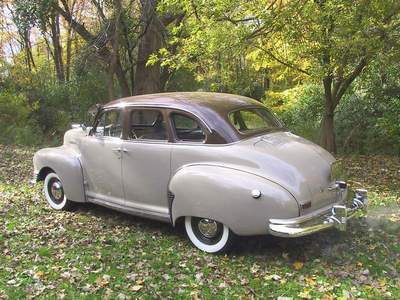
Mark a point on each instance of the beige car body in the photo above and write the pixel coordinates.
(168, 180)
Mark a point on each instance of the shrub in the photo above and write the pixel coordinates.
(16, 124)
(300, 108)
(366, 121)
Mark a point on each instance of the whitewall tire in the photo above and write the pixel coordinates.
(54, 192)
(208, 235)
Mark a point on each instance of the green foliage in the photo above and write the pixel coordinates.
(326, 42)
(15, 123)
(368, 119)
(275, 51)
(300, 108)
(211, 51)
(36, 108)
(30, 13)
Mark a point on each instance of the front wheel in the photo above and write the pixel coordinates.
(54, 193)
(208, 235)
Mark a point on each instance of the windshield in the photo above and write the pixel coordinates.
(249, 120)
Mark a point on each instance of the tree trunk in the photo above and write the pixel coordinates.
(28, 50)
(104, 52)
(147, 78)
(129, 51)
(115, 61)
(70, 38)
(334, 89)
(123, 83)
(55, 37)
(328, 140)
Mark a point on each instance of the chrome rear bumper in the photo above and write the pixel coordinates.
(335, 216)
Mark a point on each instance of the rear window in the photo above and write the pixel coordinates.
(249, 120)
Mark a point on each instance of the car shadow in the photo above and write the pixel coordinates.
(114, 217)
(328, 246)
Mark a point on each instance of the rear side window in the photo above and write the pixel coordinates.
(253, 119)
(187, 128)
(110, 124)
(147, 124)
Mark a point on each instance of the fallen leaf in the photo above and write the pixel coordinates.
(298, 265)
(274, 277)
(139, 282)
(131, 277)
(305, 294)
(222, 285)
(346, 294)
(382, 282)
(166, 277)
(12, 282)
(194, 295)
(310, 281)
(365, 272)
(136, 288)
(38, 275)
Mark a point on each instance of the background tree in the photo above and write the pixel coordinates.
(326, 67)
(327, 41)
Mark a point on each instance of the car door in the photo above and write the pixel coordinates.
(101, 158)
(146, 162)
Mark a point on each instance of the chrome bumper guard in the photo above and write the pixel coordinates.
(336, 216)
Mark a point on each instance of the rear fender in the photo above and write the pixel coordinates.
(65, 162)
(225, 195)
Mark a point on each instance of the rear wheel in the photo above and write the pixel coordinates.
(208, 235)
(54, 192)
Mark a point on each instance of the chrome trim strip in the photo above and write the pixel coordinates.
(138, 105)
(132, 211)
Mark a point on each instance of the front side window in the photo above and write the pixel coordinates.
(109, 124)
(147, 124)
(253, 119)
(187, 128)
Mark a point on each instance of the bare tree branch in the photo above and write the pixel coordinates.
(281, 61)
(353, 75)
(99, 10)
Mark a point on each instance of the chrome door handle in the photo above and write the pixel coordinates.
(119, 150)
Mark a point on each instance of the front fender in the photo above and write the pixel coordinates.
(65, 162)
(224, 194)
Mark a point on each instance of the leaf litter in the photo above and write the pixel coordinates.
(99, 252)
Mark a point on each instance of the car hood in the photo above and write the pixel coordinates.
(300, 166)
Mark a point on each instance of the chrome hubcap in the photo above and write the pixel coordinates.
(56, 189)
(208, 228)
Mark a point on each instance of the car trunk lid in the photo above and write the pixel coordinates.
(302, 167)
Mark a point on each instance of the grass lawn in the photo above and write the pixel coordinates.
(94, 252)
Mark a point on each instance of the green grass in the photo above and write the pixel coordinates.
(94, 252)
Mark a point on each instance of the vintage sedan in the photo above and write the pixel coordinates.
(222, 164)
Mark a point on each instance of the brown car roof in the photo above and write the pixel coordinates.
(212, 108)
